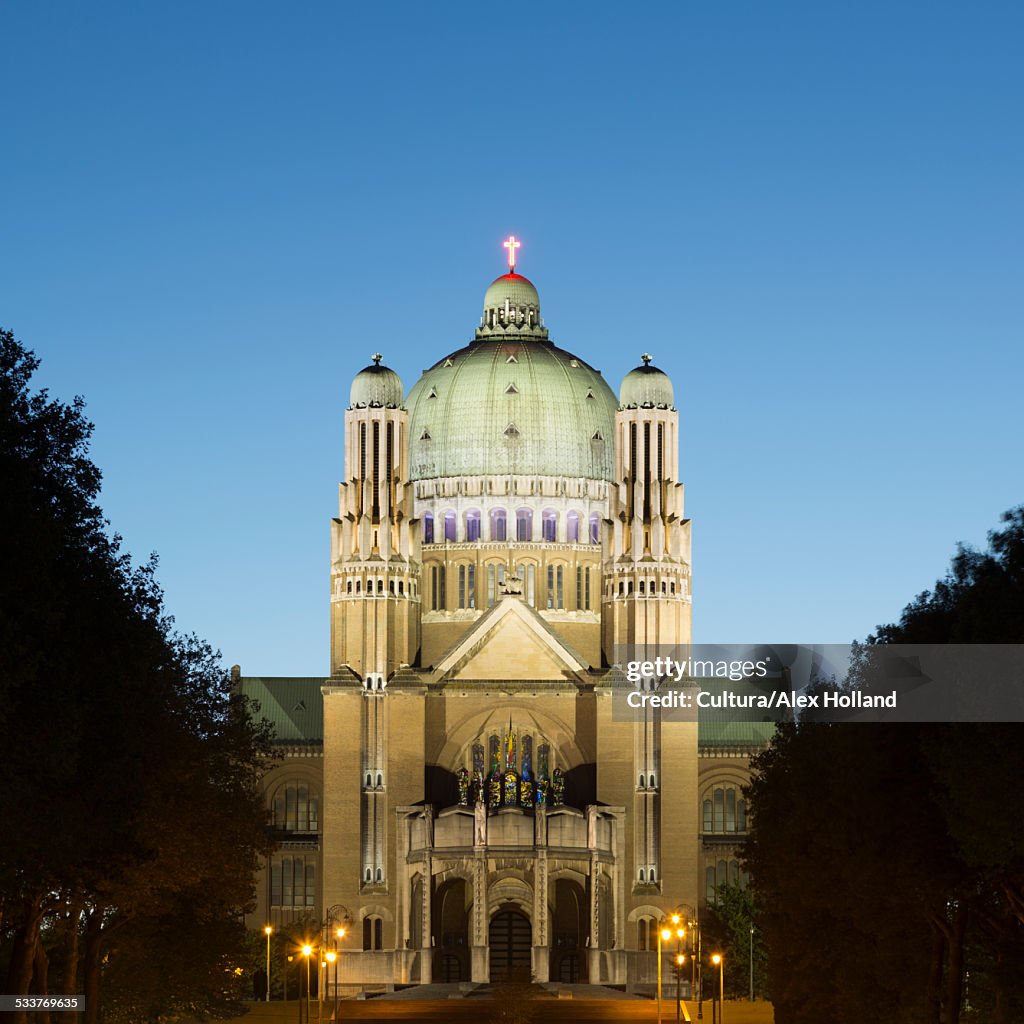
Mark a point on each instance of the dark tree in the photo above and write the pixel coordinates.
(131, 771)
(889, 860)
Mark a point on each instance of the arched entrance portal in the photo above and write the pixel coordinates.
(510, 938)
(450, 919)
(568, 929)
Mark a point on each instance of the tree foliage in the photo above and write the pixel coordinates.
(132, 771)
(730, 927)
(889, 859)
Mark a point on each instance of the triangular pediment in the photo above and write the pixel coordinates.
(511, 641)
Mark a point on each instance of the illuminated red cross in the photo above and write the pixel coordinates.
(511, 244)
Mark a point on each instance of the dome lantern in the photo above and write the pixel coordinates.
(376, 386)
(646, 387)
(511, 304)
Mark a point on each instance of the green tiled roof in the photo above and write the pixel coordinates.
(732, 733)
(293, 705)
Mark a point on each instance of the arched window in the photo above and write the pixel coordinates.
(556, 586)
(449, 526)
(524, 524)
(473, 524)
(373, 933)
(428, 527)
(467, 586)
(437, 587)
(572, 527)
(725, 810)
(498, 524)
(549, 525)
(595, 529)
(296, 809)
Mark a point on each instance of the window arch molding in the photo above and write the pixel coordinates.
(293, 804)
(724, 810)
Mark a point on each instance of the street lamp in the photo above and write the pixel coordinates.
(751, 963)
(698, 963)
(307, 951)
(340, 933)
(267, 930)
(332, 958)
(680, 960)
(719, 961)
(664, 934)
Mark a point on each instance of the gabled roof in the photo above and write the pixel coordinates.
(510, 641)
(293, 705)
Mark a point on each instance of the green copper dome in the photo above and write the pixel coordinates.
(376, 386)
(511, 405)
(646, 387)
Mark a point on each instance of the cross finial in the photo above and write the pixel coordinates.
(376, 357)
(646, 358)
(511, 243)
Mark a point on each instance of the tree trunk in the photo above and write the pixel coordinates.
(41, 981)
(91, 966)
(933, 994)
(71, 925)
(26, 938)
(955, 966)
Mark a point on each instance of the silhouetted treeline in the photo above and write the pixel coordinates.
(131, 820)
(889, 859)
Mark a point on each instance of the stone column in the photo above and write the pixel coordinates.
(426, 933)
(594, 952)
(541, 943)
(480, 968)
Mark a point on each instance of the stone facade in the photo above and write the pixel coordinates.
(478, 806)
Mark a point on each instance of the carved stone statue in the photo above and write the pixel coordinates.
(558, 787)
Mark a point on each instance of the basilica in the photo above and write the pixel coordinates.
(459, 794)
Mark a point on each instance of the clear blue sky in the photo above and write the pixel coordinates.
(810, 213)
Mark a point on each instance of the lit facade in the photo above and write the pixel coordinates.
(458, 787)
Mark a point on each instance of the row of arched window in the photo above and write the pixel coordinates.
(445, 528)
(645, 588)
(556, 595)
(295, 808)
(376, 586)
(725, 811)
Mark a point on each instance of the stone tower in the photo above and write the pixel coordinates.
(374, 542)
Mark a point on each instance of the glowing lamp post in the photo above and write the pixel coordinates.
(680, 960)
(332, 958)
(307, 951)
(266, 931)
(719, 961)
(664, 934)
(340, 933)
